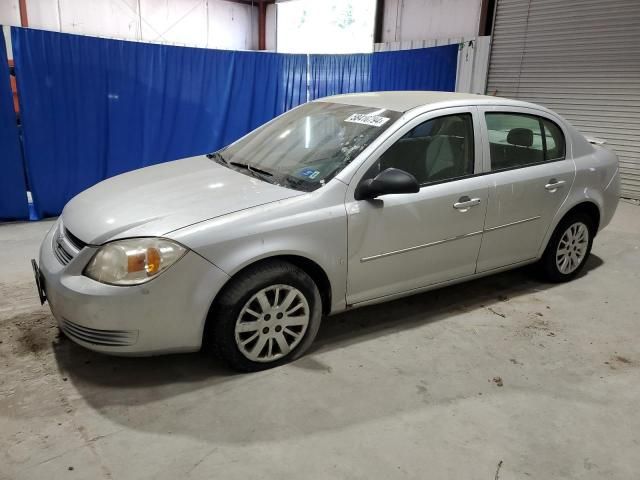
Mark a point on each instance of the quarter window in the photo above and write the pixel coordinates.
(517, 140)
(437, 150)
(554, 141)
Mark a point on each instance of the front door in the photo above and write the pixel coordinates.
(398, 243)
(531, 175)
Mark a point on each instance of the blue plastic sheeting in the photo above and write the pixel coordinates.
(336, 74)
(93, 108)
(419, 69)
(13, 192)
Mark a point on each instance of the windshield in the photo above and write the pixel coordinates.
(306, 147)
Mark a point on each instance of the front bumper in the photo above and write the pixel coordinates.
(165, 315)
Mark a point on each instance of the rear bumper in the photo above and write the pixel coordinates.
(164, 315)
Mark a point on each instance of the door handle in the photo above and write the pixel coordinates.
(554, 184)
(465, 203)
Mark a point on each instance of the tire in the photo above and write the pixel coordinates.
(250, 335)
(552, 262)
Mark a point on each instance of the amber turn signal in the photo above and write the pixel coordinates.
(153, 261)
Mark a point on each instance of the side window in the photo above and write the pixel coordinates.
(437, 150)
(517, 140)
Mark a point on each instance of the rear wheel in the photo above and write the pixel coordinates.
(568, 248)
(267, 316)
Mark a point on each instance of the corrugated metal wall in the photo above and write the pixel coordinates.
(580, 58)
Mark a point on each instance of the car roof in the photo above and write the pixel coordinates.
(402, 101)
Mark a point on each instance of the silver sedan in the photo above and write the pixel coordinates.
(342, 202)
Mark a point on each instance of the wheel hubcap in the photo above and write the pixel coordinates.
(572, 248)
(272, 323)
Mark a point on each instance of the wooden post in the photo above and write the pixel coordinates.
(24, 20)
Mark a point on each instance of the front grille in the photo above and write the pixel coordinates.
(62, 255)
(109, 338)
(79, 244)
(66, 245)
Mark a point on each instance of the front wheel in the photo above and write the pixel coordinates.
(568, 248)
(267, 316)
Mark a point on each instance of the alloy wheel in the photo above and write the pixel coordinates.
(272, 323)
(572, 248)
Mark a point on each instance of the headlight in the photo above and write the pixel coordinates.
(133, 261)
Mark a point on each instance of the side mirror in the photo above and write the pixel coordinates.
(391, 180)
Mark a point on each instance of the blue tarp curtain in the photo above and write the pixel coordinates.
(335, 74)
(419, 69)
(93, 108)
(13, 193)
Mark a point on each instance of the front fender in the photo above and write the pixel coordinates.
(312, 226)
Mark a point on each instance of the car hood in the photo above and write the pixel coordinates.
(154, 201)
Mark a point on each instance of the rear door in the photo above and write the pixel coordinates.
(531, 172)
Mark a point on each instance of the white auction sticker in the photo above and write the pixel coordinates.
(372, 120)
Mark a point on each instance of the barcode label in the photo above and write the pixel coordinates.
(371, 120)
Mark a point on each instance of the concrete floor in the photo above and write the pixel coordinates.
(409, 389)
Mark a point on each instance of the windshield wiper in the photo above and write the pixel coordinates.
(300, 184)
(256, 172)
(248, 167)
(217, 156)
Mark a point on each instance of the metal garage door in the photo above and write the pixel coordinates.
(580, 58)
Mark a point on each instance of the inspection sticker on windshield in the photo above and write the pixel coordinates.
(309, 173)
(371, 120)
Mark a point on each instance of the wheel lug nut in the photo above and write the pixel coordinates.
(279, 316)
(278, 328)
(265, 330)
(267, 317)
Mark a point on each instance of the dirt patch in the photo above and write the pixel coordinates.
(29, 334)
(622, 359)
(618, 361)
(27, 331)
(537, 326)
(37, 336)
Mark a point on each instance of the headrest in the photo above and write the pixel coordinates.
(522, 137)
(454, 127)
